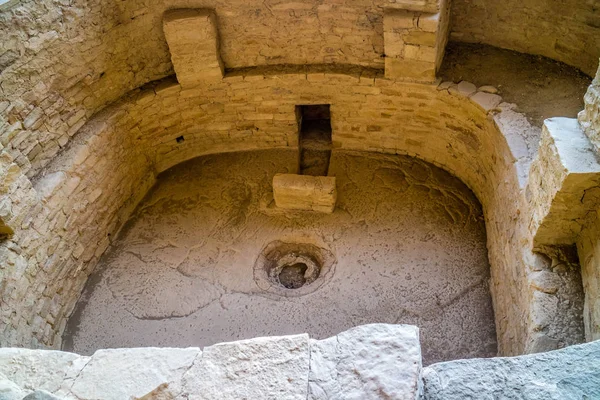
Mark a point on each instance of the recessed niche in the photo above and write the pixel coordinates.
(315, 139)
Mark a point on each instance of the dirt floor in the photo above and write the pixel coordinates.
(542, 88)
(407, 244)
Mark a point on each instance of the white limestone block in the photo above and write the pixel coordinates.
(39, 369)
(377, 361)
(264, 368)
(303, 192)
(125, 373)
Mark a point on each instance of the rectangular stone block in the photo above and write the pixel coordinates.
(400, 68)
(414, 43)
(302, 192)
(194, 45)
(564, 183)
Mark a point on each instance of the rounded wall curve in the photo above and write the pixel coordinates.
(567, 31)
(87, 192)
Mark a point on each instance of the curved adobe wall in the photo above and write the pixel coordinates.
(567, 31)
(87, 192)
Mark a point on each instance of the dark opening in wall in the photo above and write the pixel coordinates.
(5, 230)
(315, 139)
(180, 139)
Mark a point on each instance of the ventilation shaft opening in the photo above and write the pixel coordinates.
(315, 139)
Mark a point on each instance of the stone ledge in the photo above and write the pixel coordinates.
(302, 192)
(564, 183)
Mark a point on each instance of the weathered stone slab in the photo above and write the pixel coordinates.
(262, 368)
(39, 369)
(303, 192)
(125, 373)
(10, 390)
(194, 44)
(376, 361)
(570, 373)
(563, 184)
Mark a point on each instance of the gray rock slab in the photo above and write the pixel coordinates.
(39, 369)
(130, 373)
(262, 368)
(377, 361)
(10, 390)
(570, 373)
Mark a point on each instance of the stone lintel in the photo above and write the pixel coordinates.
(303, 192)
(194, 45)
(564, 183)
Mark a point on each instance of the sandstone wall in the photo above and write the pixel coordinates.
(71, 172)
(568, 31)
(162, 125)
(60, 62)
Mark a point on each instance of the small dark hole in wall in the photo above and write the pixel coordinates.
(180, 139)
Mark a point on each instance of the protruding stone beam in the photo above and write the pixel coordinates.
(194, 44)
(564, 183)
(303, 192)
(415, 36)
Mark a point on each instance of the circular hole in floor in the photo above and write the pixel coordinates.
(292, 276)
(292, 269)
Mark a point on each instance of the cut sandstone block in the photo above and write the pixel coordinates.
(564, 183)
(302, 192)
(194, 44)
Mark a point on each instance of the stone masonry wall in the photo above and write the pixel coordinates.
(70, 173)
(114, 158)
(567, 31)
(62, 61)
(62, 226)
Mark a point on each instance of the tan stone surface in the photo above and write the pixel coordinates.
(368, 113)
(300, 192)
(564, 181)
(567, 31)
(414, 42)
(72, 173)
(194, 45)
(408, 240)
